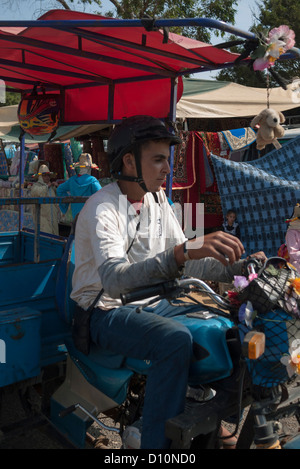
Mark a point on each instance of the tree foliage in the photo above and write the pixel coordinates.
(272, 14)
(223, 10)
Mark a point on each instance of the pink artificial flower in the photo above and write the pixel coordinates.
(252, 277)
(279, 41)
(262, 63)
(283, 34)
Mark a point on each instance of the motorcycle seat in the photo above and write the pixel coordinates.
(102, 369)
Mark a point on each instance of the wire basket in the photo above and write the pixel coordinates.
(282, 331)
(269, 287)
(277, 317)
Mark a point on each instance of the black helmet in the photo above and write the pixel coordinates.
(130, 133)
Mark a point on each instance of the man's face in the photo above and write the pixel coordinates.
(231, 218)
(46, 177)
(155, 165)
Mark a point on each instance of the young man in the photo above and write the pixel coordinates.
(127, 236)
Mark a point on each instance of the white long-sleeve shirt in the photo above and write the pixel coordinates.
(105, 229)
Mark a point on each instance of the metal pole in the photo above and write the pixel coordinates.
(172, 116)
(21, 180)
(113, 23)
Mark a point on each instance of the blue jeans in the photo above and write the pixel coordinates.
(151, 335)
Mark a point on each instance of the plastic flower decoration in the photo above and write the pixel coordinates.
(278, 42)
(240, 282)
(295, 283)
(245, 310)
(292, 361)
(233, 298)
(292, 296)
(247, 314)
(252, 277)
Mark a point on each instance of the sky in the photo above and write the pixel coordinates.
(28, 10)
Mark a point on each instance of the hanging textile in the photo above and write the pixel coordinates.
(9, 220)
(54, 155)
(76, 149)
(263, 192)
(239, 138)
(68, 157)
(3, 164)
(193, 178)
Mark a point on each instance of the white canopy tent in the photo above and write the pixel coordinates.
(218, 99)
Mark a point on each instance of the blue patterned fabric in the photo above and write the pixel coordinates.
(239, 138)
(263, 192)
(9, 220)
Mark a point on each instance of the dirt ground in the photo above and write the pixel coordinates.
(19, 432)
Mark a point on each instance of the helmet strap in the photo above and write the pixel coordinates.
(137, 156)
(122, 177)
(139, 178)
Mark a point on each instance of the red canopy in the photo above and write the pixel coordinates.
(103, 73)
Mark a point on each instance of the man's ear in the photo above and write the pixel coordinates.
(129, 161)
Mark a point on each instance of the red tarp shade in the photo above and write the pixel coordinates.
(90, 65)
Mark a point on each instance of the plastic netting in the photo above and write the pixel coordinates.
(281, 331)
(277, 314)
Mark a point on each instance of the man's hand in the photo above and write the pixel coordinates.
(260, 256)
(222, 246)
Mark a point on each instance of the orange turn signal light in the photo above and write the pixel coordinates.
(254, 345)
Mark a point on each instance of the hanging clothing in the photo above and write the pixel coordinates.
(292, 238)
(292, 241)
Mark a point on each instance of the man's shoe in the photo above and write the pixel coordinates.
(200, 393)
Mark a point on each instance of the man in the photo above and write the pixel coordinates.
(83, 184)
(127, 236)
(44, 187)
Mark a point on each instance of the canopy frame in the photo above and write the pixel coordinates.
(27, 60)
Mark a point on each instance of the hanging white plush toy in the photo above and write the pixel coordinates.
(269, 128)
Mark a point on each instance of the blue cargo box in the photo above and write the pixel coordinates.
(20, 345)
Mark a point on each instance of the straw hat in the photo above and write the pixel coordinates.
(43, 169)
(85, 161)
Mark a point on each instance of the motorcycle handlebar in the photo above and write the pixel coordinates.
(172, 290)
(161, 289)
